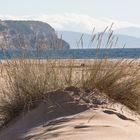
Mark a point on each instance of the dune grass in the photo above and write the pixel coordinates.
(118, 79)
(27, 81)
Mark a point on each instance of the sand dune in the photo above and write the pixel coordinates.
(66, 119)
(73, 122)
(101, 126)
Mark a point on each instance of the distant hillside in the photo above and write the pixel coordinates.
(73, 37)
(33, 33)
(131, 31)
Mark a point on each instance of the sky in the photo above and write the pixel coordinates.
(74, 15)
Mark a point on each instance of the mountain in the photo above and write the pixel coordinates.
(31, 34)
(131, 31)
(73, 38)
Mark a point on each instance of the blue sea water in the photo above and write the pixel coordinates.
(74, 53)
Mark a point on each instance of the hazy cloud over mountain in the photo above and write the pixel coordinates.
(74, 22)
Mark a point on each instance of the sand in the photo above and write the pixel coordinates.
(74, 122)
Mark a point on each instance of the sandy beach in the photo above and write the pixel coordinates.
(70, 70)
(66, 118)
(93, 123)
(74, 121)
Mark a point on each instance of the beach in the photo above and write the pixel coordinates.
(83, 124)
(70, 114)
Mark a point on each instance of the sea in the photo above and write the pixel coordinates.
(116, 53)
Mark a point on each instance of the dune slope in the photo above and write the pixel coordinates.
(73, 121)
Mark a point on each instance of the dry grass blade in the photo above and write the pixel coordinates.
(118, 80)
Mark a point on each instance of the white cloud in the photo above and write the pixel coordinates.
(74, 22)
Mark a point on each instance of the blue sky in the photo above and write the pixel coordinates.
(74, 14)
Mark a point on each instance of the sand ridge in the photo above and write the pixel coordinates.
(73, 122)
